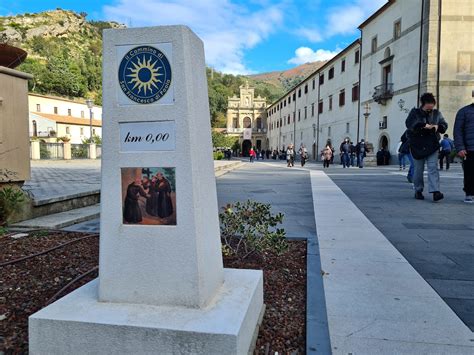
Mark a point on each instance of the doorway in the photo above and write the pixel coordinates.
(246, 145)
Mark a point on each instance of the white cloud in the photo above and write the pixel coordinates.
(305, 55)
(227, 29)
(342, 20)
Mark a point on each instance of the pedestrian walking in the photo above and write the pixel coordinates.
(405, 150)
(402, 155)
(361, 151)
(447, 146)
(326, 156)
(345, 153)
(252, 155)
(464, 143)
(352, 153)
(290, 156)
(303, 152)
(424, 127)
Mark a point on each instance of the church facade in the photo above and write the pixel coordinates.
(247, 120)
(406, 48)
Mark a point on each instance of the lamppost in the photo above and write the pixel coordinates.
(90, 105)
(315, 153)
(366, 115)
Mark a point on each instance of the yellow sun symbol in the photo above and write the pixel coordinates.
(144, 75)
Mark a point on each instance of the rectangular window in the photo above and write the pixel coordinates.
(93, 131)
(305, 112)
(284, 103)
(348, 127)
(342, 98)
(69, 112)
(329, 131)
(82, 114)
(299, 115)
(397, 29)
(321, 79)
(374, 45)
(357, 57)
(82, 131)
(289, 120)
(55, 110)
(306, 89)
(294, 116)
(355, 92)
(331, 73)
(312, 110)
(314, 83)
(67, 130)
(294, 96)
(320, 106)
(289, 100)
(330, 103)
(301, 136)
(38, 108)
(299, 92)
(343, 66)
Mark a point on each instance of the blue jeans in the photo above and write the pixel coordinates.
(360, 157)
(402, 158)
(433, 173)
(345, 160)
(412, 166)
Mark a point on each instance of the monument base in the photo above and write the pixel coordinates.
(79, 324)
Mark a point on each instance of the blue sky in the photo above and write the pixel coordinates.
(240, 37)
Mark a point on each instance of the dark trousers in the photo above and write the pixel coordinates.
(326, 163)
(444, 154)
(468, 167)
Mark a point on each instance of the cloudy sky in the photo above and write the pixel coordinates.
(240, 37)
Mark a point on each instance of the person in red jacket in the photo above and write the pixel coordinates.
(252, 155)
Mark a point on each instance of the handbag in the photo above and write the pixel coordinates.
(423, 144)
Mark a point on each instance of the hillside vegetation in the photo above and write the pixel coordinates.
(65, 57)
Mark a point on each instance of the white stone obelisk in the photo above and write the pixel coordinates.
(161, 287)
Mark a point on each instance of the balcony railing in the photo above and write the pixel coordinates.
(241, 130)
(383, 93)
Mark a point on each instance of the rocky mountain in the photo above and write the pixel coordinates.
(64, 51)
(287, 79)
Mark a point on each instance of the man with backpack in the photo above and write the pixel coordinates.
(361, 150)
(447, 146)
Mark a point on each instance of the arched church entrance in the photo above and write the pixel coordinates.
(383, 142)
(246, 145)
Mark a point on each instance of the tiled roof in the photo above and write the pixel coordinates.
(69, 119)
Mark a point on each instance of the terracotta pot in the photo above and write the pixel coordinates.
(10, 56)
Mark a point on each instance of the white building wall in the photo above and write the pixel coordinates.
(333, 123)
(43, 125)
(48, 103)
(405, 70)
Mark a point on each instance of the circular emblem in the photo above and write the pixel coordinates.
(144, 74)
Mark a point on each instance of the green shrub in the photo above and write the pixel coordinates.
(218, 155)
(250, 227)
(11, 200)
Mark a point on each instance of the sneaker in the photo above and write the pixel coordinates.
(437, 196)
(469, 199)
(419, 195)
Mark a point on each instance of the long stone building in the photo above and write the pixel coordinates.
(406, 48)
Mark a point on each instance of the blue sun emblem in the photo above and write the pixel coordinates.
(144, 74)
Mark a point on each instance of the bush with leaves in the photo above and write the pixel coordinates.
(11, 200)
(251, 228)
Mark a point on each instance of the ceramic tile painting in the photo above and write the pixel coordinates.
(149, 196)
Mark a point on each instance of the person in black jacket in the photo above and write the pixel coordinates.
(464, 143)
(424, 126)
(405, 149)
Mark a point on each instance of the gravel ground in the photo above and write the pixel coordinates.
(30, 284)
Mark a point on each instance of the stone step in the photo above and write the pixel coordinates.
(60, 220)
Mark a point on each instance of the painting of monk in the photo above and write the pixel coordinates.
(149, 196)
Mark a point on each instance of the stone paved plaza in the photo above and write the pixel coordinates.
(435, 238)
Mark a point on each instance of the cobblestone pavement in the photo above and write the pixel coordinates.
(437, 239)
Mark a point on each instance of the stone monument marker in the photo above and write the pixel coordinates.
(162, 287)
